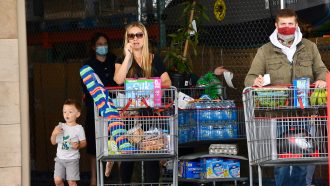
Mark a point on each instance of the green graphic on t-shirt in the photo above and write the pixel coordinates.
(66, 143)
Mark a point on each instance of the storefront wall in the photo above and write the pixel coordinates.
(14, 166)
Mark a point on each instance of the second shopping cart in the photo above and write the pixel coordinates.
(283, 128)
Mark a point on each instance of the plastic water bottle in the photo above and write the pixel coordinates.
(59, 137)
(181, 118)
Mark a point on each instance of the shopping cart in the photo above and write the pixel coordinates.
(148, 129)
(285, 125)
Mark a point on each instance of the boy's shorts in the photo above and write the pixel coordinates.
(67, 169)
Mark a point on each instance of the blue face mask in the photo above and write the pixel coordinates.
(102, 50)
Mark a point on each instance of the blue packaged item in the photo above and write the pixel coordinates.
(234, 169)
(207, 167)
(218, 114)
(220, 168)
(230, 130)
(193, 133)
(181, 169)
(234, 114)
(181, 118)
(300, 92)
(183, 135)
(218, 132)
(226, 115)
(217, 168)
(205, 132)
(188, 116)
(192, 169)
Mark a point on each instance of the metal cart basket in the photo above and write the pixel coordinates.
(148, 127)
(285, 126)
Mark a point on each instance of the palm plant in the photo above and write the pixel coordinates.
(176, 55)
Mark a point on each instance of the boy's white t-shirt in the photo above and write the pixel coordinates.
(70, 134)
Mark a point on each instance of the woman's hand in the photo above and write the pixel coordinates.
(121, 70)
(128, 50)
(166, 80)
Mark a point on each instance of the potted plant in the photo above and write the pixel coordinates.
(176, 56)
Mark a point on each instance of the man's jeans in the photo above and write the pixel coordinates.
(297, 177)
(310, 173)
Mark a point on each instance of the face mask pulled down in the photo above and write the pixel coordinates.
(101, 50)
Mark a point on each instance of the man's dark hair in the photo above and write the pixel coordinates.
(74, 103)
(284, 13)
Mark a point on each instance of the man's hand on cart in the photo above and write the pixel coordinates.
(320, 84)
(259, 81)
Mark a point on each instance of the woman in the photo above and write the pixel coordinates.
(103, 63)
(139, 62)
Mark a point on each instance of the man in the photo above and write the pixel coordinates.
(286, 57)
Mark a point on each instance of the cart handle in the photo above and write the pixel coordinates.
(123, 88)
(282, 86)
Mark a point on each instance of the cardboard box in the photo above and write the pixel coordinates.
(300, 92)
(220, 168)
(143, 92)
(192, 170)
(189, 169)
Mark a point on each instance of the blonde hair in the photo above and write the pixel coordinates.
(146, 56)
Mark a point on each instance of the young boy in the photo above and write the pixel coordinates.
(70, 137)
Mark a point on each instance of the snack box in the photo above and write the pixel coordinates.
(220, 168)
(189, 169)
(300, 92)
(143, 92)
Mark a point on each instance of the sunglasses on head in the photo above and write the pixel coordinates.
(138, 35)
